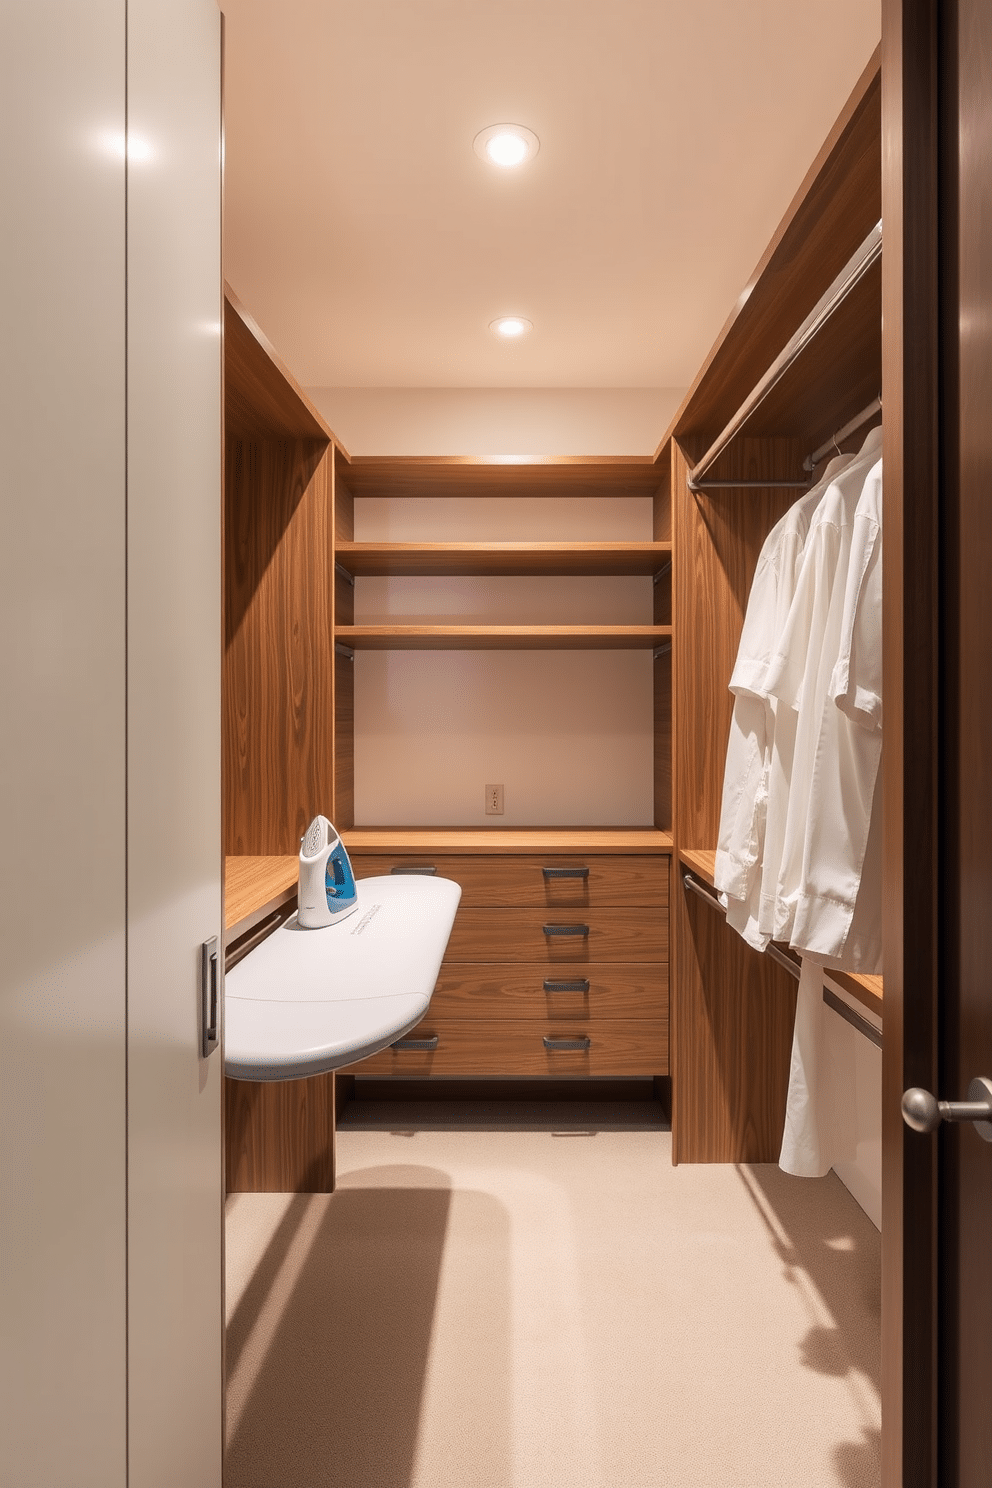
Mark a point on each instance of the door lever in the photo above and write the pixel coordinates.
(923, 1112)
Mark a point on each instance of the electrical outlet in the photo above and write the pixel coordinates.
(494, 800)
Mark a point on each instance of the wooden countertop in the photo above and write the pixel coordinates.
(257, 886)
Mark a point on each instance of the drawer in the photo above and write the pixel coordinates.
(573, 881)
(502, 1049)
(558, 937)
(539, 992)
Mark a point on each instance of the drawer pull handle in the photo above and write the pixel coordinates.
(427, 870)
(566, 929)
(580, 984)
(424, 1045)
(565, 872)
(566, 1043)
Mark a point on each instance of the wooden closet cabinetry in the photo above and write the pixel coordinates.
(557, 965)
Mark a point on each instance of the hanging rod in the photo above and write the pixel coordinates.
(344, 651)
(835, 1003)
(349, 578)
(848, 279)
(831, 446)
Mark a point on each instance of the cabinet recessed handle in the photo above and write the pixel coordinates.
(426, 870)
(209, 979)
(579, 984)
(566, 1043)
(565, 872)
(566, 929)
(423, 1045)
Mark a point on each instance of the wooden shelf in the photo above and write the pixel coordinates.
(499, 476)
(502, 637)
(254, 887)
(702, 861)
(506, 840)
(867, 989)
(366, 559)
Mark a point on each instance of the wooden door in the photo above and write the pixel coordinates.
(937, 390)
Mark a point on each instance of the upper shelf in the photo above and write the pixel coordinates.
(502, 637)
(498, 476)
(435, 560)
(262, 399)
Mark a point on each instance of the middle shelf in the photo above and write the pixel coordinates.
(503, 637)
(491, 559)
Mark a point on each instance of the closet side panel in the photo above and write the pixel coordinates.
(62, 748)
(733, 1010)
(278, 670)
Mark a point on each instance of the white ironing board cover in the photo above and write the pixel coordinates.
(307, 1001)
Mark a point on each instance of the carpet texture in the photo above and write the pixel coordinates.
(556, 1308)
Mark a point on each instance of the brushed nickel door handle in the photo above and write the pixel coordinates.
(566, 929)
(923, 1112)
(567, 1043)
(427, 1045)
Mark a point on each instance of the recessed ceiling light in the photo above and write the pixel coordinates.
(506, 145)
(510, 327)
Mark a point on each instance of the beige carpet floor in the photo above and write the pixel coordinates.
(556, 1308)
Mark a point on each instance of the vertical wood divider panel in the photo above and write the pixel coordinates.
(278, 680)
(279, 1136)
(732, 1009)
(344, 670)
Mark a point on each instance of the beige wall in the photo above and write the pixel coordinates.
(568, 734)
(498, 421)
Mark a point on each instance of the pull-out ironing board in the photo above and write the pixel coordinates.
(307, 1001)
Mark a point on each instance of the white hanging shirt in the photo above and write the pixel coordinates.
(819, 883)
(759, 750)
(839, 907)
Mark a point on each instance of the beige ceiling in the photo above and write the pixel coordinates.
(374, 247)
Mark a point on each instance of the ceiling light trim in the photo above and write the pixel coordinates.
(511, 327)
(487, 145)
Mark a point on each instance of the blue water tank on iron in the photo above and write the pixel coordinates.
(327, 891)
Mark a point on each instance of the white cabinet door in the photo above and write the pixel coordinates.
(62, 747)
(174, 476)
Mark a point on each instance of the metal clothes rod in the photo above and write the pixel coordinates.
(835, 1003)
(847, 280)
(830, 446)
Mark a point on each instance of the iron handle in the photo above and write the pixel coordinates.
(566, 1043)
(565, 872)
(427, 869)
(579, 984)
(923, 1112)
(427, 1045)
(209, 978)
(566, 929)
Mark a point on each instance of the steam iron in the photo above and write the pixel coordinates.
(327, 891)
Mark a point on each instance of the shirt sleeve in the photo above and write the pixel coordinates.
(856, 683)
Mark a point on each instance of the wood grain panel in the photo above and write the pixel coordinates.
(442, 559)
(662, 504)
(719, 536)
(732, 1042)
(278, 682)
(262, 399)
(344, 743)
(702, 861)
(622, 994)
(387, 841)
(495, 1049)
(507, 935)
(835, 208)
(503, 637)
(477, 476)
(344, 502)
(279, 1136)
(663, 740)
(518, 881)
(254, 886)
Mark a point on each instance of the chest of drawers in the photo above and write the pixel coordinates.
(557, 965)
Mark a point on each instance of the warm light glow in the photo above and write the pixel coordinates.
(506, 149)
(511, 327)
(506, 145)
